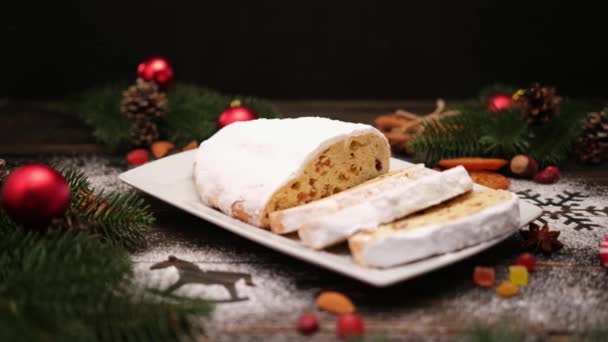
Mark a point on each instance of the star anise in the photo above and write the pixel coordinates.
(541, 239)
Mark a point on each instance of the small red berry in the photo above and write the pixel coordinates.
(349, 325)
(308, 324)
(527, 260)
(138, 157)
(548, 175)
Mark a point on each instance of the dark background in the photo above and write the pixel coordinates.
(308, 49)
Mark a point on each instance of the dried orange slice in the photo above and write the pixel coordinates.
(474, 164)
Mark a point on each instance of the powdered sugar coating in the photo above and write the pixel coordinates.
(384, 202)
(247, 162)
(390, 248)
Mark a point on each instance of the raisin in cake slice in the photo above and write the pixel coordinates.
(332, 220)
(250, 169)
(464, 221)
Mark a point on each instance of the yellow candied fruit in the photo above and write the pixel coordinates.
(507, 289)
(518, 275)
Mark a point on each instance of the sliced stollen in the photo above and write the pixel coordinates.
(381, 200)
(252, 168)
(464, 221)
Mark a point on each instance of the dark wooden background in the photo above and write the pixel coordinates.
(308, 49)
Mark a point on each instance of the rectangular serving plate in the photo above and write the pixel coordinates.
(170, 179)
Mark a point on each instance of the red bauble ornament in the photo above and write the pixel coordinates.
(499, 102)
(156, 69)
(235, 113)
(34, 194)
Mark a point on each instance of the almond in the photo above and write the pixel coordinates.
(335, 302)
(161, 148)
(191, 146)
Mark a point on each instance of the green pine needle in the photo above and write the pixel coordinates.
(493, 334)
(552, 142)
(477, 132)
(120, 218)
(76, 283)
(66, 286)
(192, 113)
(100, 109)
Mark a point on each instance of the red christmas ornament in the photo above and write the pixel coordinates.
(499, 102)
(34, 194)
(156, 69)
(235, 113)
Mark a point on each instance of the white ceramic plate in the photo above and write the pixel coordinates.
(170, 179)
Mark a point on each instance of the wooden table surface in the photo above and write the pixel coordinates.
(567, 295)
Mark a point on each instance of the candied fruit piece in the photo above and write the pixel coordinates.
(528, 260)
(484, 276)
(518, 275)
(507, 289)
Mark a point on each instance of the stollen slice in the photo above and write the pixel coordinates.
(469, 219)
(332, 220)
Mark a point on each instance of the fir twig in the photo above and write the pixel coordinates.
(100, 108)
(192, 113)
(493, 334)
(120, 218)
(65, 285)
(477, 132)
(552, 142)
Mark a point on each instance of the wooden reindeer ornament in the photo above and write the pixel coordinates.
(190, 273)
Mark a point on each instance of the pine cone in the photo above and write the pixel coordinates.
(592, 144)
(145, 104)
(539, 104)
(144, 132)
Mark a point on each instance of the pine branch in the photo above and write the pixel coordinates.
(493, 334)
(192, 113)
(70, 284)
(65, 286)
(100, 108)
(504, 134)
(551, 143)
(477, 132)
(120, 218)
(445, 138)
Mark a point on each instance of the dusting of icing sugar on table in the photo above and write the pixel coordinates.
(566, 295)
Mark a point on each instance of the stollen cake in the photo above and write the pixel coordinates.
(382, 200)
(464, 221)
(250, 169)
